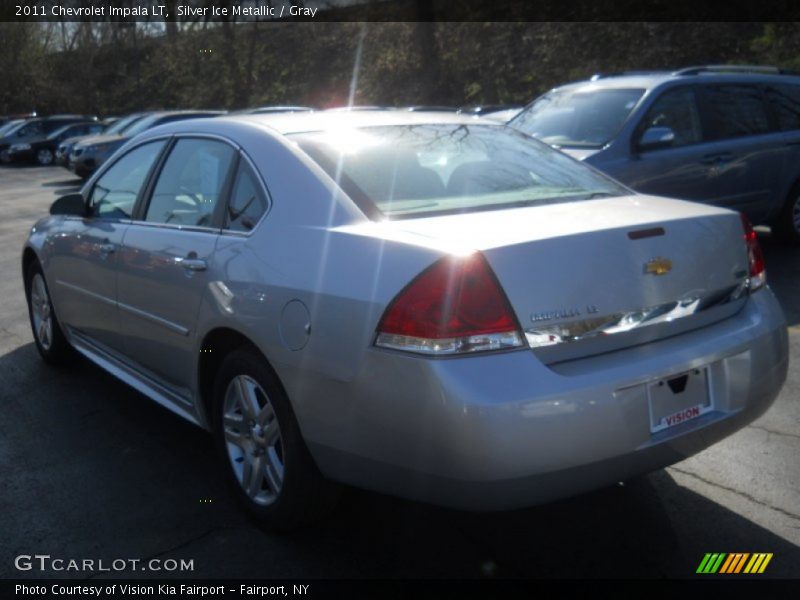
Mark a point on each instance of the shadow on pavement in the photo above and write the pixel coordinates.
(75, 182)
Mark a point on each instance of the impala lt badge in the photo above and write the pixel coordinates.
(563, 313)
(658, 266)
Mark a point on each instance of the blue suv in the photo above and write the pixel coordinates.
(724, 135)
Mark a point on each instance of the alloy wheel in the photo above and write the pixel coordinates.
(42, 312)
(253, 440)
(44, 157)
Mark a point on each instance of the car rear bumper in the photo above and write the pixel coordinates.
(20, 155)
(503, 431)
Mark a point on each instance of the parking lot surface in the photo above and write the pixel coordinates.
(92, 469)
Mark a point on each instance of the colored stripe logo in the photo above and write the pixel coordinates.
(736, 562)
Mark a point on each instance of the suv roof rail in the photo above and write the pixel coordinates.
(597, 76)
(762, 69)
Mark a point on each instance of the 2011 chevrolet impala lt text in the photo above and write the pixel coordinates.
(425, 304)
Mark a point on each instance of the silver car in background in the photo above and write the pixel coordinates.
(429, 305)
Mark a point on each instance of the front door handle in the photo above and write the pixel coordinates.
(194, 264)
(106, 249)
(716, 159)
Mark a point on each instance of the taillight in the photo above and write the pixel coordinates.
(755, 257)
(455, 306)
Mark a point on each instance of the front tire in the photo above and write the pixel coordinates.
(787, 225)
(261, 449)
(50, 341)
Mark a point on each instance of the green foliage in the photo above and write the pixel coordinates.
(113, 68)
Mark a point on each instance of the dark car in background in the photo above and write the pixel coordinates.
(42, 151)
(118, 126)
(724, 135)
(33, 129)
(90, 153)
(6, 119)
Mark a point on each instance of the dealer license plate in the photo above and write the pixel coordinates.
(679, 398)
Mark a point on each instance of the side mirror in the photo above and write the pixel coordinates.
(656, 137)
(71, 204)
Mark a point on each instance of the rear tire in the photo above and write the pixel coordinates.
(44, 157)
(50, 341)
(261, 449)
(787, 226)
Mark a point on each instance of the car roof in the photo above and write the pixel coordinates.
(652, 79)
(169, 113)
(288, 123)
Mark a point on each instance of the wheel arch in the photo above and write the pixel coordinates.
(217, 343)
(29, 257)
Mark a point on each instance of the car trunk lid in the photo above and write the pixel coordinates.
(598, 275)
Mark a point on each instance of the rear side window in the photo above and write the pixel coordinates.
(248, 202)
(678, 110)
(34, 128)
(735, 111)
(191, 183)
(114, 195)
(785, 102)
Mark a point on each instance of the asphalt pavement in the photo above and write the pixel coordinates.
(92, 469)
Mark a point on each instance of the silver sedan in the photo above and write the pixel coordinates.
(428, 305)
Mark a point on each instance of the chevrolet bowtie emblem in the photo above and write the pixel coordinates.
(658, 266)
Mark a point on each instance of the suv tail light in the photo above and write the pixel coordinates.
(758, 273)
(455, 306)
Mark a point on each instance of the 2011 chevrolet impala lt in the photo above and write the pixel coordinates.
(427, 305)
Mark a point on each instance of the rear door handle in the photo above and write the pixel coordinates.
(107, 249)
(194, 264)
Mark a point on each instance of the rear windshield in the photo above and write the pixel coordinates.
(121, 125)
(142, 125)
(578, 119)
(10, 127)
(406, 171)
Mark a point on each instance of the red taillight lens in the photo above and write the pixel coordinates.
(454, 306)
(758, 273)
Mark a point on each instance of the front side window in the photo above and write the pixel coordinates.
(191, 183)
(247, 203)
(419, 170)
(735, 111)
(785, 101)
(676, 109)
(114, 195)
(578, 119)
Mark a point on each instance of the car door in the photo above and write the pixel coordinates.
(746, 150)
(784, 100)
(679, 170)
(163, 267)
(83, 256)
